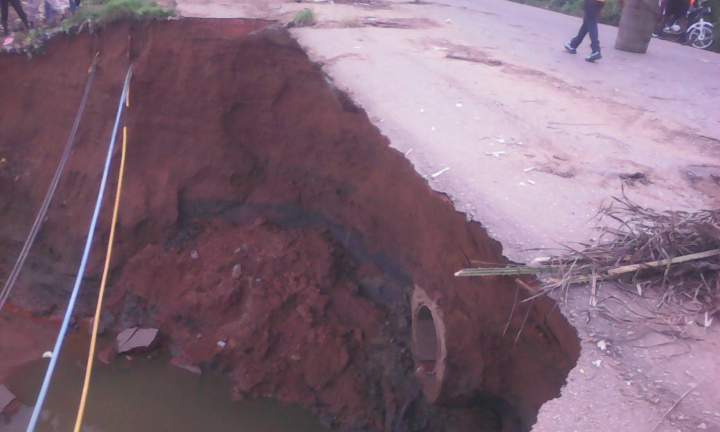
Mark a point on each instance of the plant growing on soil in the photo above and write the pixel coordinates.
(34, 42)
(304, 18)
(92, 14)
(103, 12)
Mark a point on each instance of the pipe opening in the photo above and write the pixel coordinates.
(426, 340)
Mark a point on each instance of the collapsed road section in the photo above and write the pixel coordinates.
(269, 232)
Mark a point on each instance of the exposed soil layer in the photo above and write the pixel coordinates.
(264, 210)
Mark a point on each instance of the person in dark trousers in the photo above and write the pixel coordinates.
(589, 25)
(4, 6)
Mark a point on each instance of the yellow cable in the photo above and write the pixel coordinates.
(103, 283)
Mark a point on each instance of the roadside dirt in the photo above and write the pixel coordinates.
(264, 211)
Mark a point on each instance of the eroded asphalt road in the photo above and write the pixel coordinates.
(531, 141)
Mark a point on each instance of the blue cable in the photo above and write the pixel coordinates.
(83, 263)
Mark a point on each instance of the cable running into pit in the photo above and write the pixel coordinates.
(83, 263)
(42, 212)
(103, 283)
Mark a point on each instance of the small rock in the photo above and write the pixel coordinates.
(179, 363)
(6, 398)
(106, 355)
(236, 271)
(194, 254)
(603, 345)
(221, 344)
(702, 426)
(597, 363)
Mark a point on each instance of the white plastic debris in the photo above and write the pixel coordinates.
(194, 254)
(47, 354)
(708, 320)
(539, 262)
(236, 271)
(221, 344)
(603, 345)
(439, 173)
(532, 182)
(597, 363)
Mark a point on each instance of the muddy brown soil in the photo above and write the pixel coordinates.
(262, 210)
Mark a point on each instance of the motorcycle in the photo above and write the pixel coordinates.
(698, 33)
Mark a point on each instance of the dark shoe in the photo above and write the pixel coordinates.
(594, 56)
(569, 48)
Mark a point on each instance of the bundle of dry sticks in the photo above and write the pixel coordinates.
(675, 253)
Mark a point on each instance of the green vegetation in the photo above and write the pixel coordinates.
(610, 13)
(304, 18)
(34, 42)
(91, 15)
(103, 12)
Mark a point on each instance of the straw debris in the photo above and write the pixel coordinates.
(676, 253)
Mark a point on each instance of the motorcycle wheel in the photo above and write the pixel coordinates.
(700, 37)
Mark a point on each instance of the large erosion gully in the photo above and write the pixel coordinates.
(263, 209)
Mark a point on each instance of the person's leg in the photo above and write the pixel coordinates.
(21, 13)
(4, 16)
(577, 40)
(593, 14)
(661, 14)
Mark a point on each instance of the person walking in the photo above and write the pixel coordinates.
(4, 10)
(592, 9)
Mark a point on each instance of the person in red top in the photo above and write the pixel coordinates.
(4, 9)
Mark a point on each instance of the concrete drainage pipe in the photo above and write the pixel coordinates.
(428, 344)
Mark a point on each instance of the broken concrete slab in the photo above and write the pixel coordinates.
(136, 338)
(6, 398)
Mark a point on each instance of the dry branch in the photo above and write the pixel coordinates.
(675, 252)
